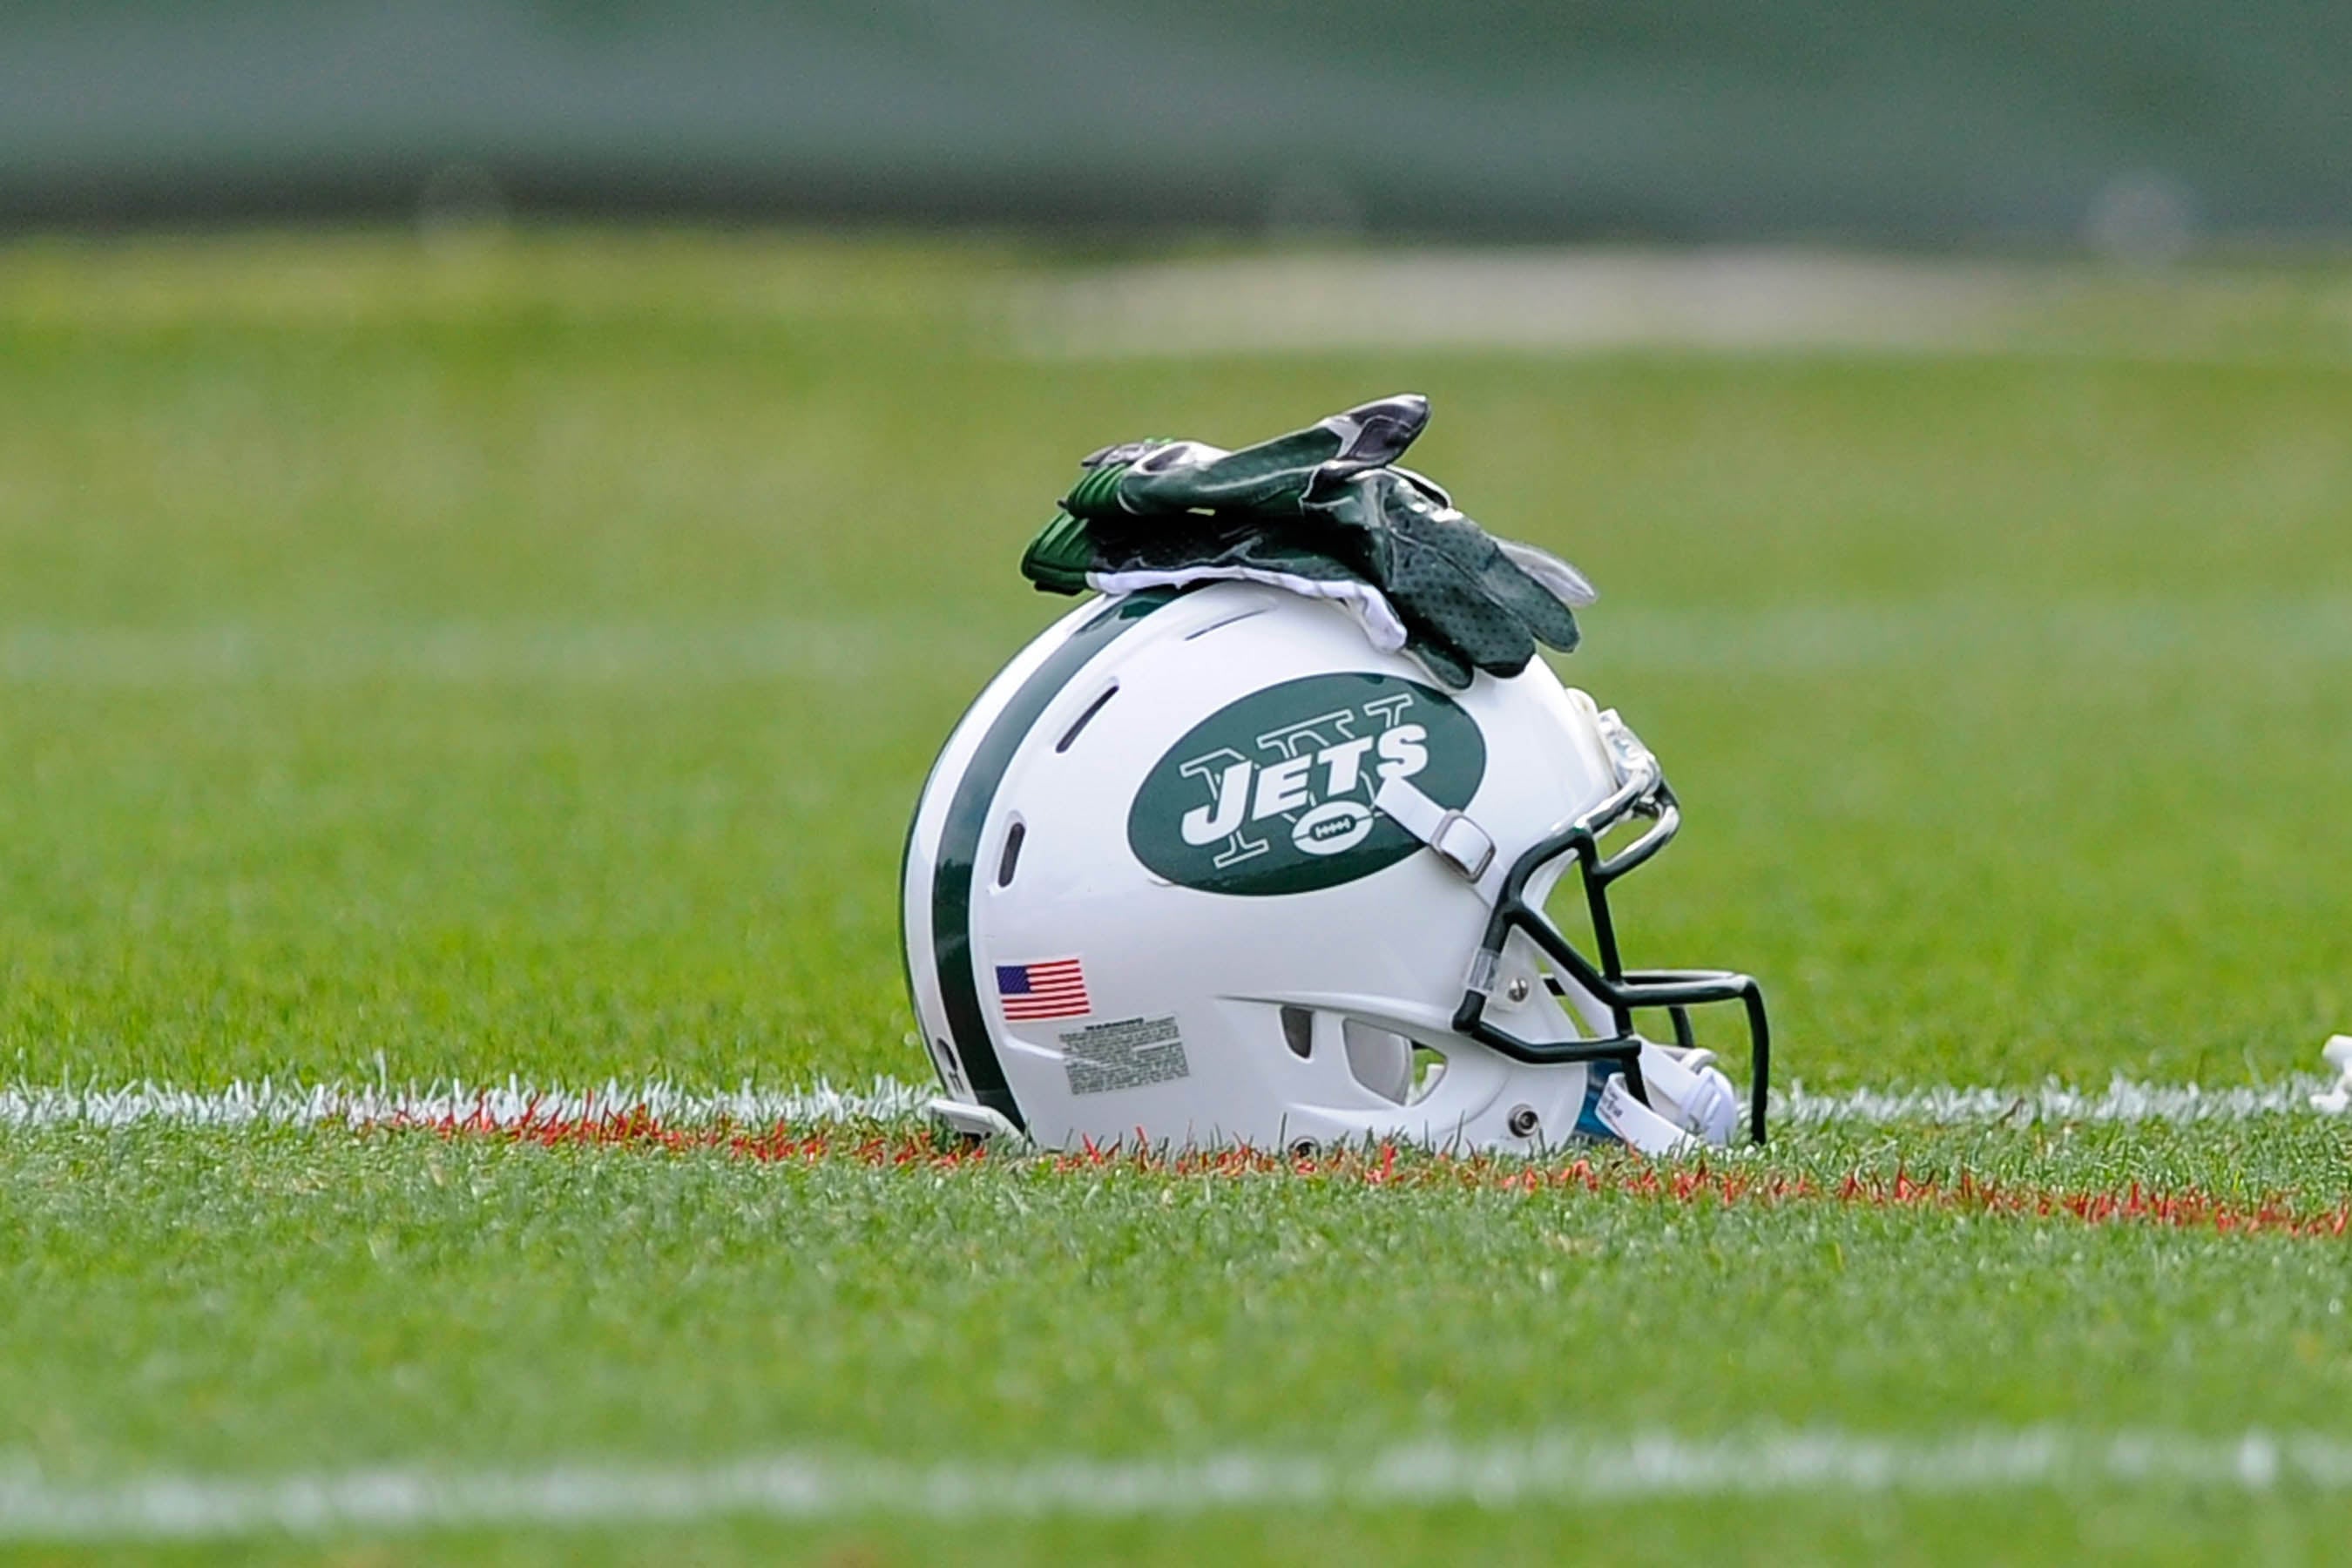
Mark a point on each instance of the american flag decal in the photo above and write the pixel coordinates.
(1051, 988)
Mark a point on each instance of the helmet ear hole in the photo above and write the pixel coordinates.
(1378, 1060)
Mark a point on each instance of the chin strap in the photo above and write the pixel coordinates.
(1451, 837)
(1706, 1110)
(974, 1120)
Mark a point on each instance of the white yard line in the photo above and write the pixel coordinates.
(513, 1103)
(1535, 1469)
(2121, 1100)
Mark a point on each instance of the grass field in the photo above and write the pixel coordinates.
(520, 660)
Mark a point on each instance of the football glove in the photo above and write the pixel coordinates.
(1324, 512)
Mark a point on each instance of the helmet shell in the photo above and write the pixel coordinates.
(1147, 898)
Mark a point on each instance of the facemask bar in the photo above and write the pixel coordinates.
(1642, 793)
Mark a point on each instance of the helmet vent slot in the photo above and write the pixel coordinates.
(1299, 1032)
(1397, 1068)
(1010, 860)
(1229, 620)
(1070, 735)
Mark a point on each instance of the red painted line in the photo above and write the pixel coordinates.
(2187, 1208)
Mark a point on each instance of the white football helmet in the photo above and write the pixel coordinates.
(1205, 868)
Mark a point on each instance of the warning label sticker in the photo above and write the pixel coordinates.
(1126, 1054)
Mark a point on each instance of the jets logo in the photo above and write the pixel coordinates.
(1274, 794)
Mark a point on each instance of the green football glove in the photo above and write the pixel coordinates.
(1326, 513)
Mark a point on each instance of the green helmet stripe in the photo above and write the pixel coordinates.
(967, 818)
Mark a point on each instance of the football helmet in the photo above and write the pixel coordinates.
(1204, 867)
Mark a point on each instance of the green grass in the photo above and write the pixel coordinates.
(523, 659)
(302, 1301)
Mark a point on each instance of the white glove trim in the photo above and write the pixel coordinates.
(1368, 604)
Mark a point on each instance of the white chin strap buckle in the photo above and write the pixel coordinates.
(1451, 837)
(1705, 1111)
(1641, 1128)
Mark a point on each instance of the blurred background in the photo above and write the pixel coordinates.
(2131, 125)
(499, 502)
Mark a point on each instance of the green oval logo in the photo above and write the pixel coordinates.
(1274, 794)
